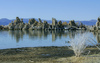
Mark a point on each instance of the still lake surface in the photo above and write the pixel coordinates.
(37, 38)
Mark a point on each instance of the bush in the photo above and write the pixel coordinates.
(79, 43)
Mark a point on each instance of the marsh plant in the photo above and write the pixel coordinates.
(79, 43)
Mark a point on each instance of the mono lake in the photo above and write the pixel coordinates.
(37, 38)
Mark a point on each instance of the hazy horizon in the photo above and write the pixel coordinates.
(48, 19)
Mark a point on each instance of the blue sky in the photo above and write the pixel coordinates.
(46, 9)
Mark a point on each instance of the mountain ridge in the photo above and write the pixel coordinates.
(5, 21)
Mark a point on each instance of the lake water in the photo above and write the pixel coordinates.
(37, 38)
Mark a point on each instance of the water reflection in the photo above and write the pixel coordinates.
(40, 34)
(97, 35)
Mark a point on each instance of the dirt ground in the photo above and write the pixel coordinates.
(47, 55)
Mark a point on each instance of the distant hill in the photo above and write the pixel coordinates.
(91, 22)
(5, 21)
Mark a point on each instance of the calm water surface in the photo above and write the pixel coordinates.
(33, 38)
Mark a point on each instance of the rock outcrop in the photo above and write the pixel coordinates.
(97, 26)
(64, 24)
(40, 24)
(98, 23)
(54, 23)
(31, 21)
(17, 24)
(45, 25)
(26, 26)
(32, 24)
(11, 25)
(72, 23)
(60, 26)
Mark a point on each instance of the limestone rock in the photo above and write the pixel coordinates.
(35, 23)
(72, 23)
(31, 21)
(40, 21)
(60, 24)
(21, 21)
(40, 24)
(32, 27)
(11, 25)
(45, 24)
(16, 27)
(21, 26)
(98, 23)
(54, 23)
(17, 21)
(26, 26)
(64, 23)
(94, 28)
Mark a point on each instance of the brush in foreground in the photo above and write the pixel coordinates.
(79, 43)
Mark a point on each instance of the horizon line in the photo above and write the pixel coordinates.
(50, 19)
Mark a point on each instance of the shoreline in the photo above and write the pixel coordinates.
(46, 47)
(35, 47)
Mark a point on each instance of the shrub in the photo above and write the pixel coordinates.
(79, 43)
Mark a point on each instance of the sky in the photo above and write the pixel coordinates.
(48, 9)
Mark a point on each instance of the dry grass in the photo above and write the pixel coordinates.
(46, 55)
(34, 54)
